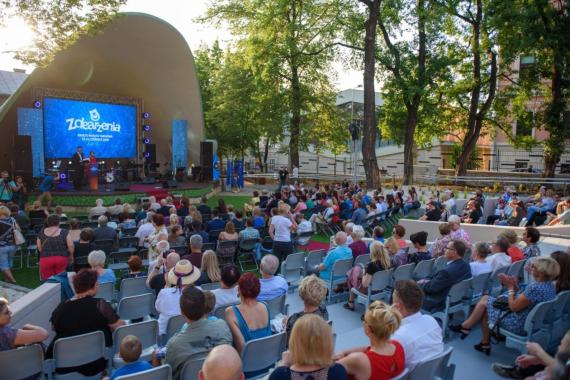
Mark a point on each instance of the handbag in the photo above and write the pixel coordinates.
(18, 237)
(502, 304)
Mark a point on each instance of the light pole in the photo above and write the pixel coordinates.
(355, 132)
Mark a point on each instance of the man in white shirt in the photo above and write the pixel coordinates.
(228, 293)
(419, 334)
(499, 258)
(381, 206)
(145, 230)
(272, 286)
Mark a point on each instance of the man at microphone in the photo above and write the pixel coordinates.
(77, 164)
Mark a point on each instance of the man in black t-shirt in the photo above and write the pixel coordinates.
(156, 280)
(433, 213)
(283, 173)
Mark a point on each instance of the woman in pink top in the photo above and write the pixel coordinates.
(384, 358)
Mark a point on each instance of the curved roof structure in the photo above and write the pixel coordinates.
(135, 55)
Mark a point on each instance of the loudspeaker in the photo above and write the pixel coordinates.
(122, 186)
(23, 162)
(151, 150)
(169, 184)
(149, 180)
(206, 160)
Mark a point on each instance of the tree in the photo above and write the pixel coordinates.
(289, 39)
(537, 30)
(58, 24)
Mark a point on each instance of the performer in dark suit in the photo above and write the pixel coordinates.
(77, 166)
(454, 272)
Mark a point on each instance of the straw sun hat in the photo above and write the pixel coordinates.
(184, 273)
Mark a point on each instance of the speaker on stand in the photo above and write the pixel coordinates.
(206, 160)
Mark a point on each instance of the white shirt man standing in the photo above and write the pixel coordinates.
(419, 334)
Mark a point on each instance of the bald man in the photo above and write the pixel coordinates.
(156, 279)
(341, 252)
(223, 363)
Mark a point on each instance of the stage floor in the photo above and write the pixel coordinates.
(139, 187)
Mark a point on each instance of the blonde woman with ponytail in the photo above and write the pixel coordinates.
(384, 358)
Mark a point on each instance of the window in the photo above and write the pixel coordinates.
(525, 66)
(524, 125)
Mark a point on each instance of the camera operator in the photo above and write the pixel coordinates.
(7, 187)
(20, 195)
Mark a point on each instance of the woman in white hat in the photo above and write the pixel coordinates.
(168, 300)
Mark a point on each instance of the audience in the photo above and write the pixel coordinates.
(37, 212)
(433, 212)
(227, 294)
(310, 354)
(378, 234)
(203, 207)
(82, 249)
(438, 247)
(210, 269)
(175, 237)
(11, 337)
(531, 237)
(398, 234)
(272, 286)
(419, 334)
(222, 363)
(544, 271)
(341, 252)
(130, 351)
(201, 335)
(135, 267)
(145, 230)
(479, 264)
(104, 232)
(499, 257)
(312, 291)
(195, 254)
(358, 247)
(98, 210)
(419, 241)
(74, 230)
(280, 230)
(398, 256)
(158, 273)
(249, 319)
(215, 224)
(458, 233)
(563, 260)
(158, 234)
(455, 271)
(83, 314)
(385, 357)
(229, 232)
(55, 248)
(514, 252)
(8, 245)
(96, 260)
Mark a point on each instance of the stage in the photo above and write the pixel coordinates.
(139, 187)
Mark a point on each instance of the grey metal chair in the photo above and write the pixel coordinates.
(220, 311)
(292, 268)
(434, 367)
(226, 251)
(277, 306)
(174, 326)
(559, 318)
(71, 352)
(458, 300)
(191, 369)
(211, 286)
(32, 356)
(314, 258)
(146, 331)
(516, 269)
(377, 290)
(133, 287)
(439, 264)
(423, 269)
(337, 276)
(403, 272)
(479, 285)
(106, 245)
(106, 291)
(362, 260)
(494, 286)
(246, 252)
(136, 307)
(261, 354)
(164, 372)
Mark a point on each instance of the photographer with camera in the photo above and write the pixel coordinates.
(7, 187)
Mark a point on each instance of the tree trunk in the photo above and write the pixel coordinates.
(266, 153)
(370, 130)
(295, 122)
(410, 128)
(554, 146)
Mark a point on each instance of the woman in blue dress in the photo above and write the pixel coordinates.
(544, 271)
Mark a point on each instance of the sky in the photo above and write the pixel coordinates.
(180, 13)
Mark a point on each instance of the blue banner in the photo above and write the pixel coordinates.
(215, 167)
(239, 176)
(110, 130)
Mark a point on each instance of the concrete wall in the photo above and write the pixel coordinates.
(36, 307)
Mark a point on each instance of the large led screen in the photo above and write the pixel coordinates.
(110, 130)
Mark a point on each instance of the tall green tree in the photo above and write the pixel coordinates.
(289, 39)
(538, 31)
(58, 24)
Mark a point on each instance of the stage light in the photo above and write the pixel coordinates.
(69, 162)
(37, 104)
(53, 163)
(118, 162)
(103, 162)
(146, 140)
(146, 155)
(62, 176)
(146, 115)
(146, 128)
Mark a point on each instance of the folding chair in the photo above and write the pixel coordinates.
(494, 286)
(246, 250)
(377, 290)
(133, 287)
(266, 245)
(136, 307)
(434, 367)
(292, 268)
(146, 331)
(31, 240)
(128, 232)
(174, 326)
(11, 362)
(261, 355)
(277, 306)
(303, 240)
(213, 236)
(458, 300)
(191, 369)
(129, 244)
(180, 249)
(314, 258)
(220, 311)
(164, 372)
(226, 252)
(71, 352)
(479, 285)
(559, 318)
(362, 260)
(439, 264)
(516, 269)
(211, 286)
(106, 245)
(423, 269)
(338, 275)
(403, 272)
(106, 291)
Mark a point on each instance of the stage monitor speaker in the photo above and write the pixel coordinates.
(170, 184)
(206, 160)
(151, 150)
(122, 186)
(23, 162)
(149, 180)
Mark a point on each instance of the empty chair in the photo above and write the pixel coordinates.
(32, 356)
(377, 290)
(106, 291)
(266, 245)
(292, 267)
(246, 252)
(338, 275)
(535, 327)
(133, 287)
(362, 260)
(423, 269)
(262, 354)
(434, 367)
(403, 272)
(191, 369)
(136, 307)
(71, 352)
(128, 244)
(277, 306)
(211, 286)
(129, 231)
(106, 246)
(164, 372)
(174, 326)
(458, 300)
(226, 251)
(146, 331)
(314, 258)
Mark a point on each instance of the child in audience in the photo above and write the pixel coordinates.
(130, 352)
